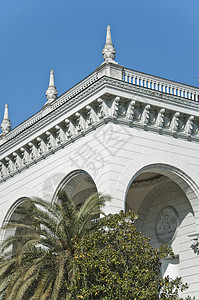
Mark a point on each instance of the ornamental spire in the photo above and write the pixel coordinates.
(51, 93)
(109, 51)
(6, 125)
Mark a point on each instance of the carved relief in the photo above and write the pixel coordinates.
(160, 119)
(146, 115)
(123, 109)
(189, 127)
(175, 122)
(101, 108)
(166, 224)
(130, 111)
(115, 107)
(89, 115)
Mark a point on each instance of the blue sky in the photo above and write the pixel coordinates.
(159, 37)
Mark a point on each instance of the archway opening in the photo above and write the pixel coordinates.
(18, 213)
(79, 186)
(160, 197)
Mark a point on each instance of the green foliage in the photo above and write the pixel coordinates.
(37, 263)
(117, 262)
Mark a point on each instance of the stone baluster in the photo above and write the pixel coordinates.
(156, 86)
(171, 90)
(163, 88)
(133, 79)
(125, 77)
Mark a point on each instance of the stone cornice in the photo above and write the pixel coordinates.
(118, 103)
(66, 102)
(47, 109)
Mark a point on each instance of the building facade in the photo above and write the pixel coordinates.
(131, 135)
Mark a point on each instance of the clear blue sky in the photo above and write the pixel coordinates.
(159, 37)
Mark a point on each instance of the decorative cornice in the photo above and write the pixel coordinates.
(153, 110)
(107, 108)
(67, 102)
(49, 109)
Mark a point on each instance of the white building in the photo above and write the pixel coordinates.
(129, 134)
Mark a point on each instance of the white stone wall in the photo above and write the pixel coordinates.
(113, 155)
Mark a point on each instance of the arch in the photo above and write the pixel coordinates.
(17, 198)
(170, 166)
(74, 176)
(12, 214)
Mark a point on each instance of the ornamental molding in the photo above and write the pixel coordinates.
(167, 222)
(148, 182)
(108, 108)
(82, 90)
(137, 112)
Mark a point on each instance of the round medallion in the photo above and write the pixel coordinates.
(166, 224)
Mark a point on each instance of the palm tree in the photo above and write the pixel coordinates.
(37, 263)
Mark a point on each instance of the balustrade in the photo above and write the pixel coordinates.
(161, 85)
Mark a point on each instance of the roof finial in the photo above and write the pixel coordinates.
(51, 93)
(109, 51)
(6, 125)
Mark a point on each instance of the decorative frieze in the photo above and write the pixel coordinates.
(100, 111)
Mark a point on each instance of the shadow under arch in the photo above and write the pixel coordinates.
(185, 182)
(78, 184)
(167, 211)
(13, 214)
